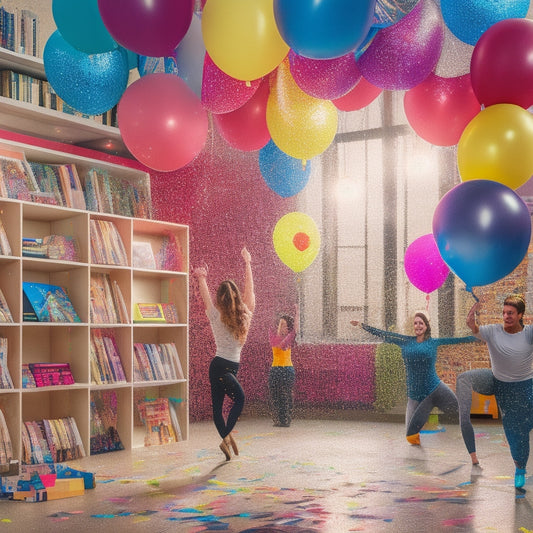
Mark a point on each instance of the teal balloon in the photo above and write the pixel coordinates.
(90, 83)
(284, 174)
(80, 24)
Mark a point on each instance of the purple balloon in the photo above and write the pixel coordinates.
(403, 55)
(328, 79)
(152, 28)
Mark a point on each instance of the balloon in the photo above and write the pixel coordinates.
(151, 28)
(284, 174)
(162, 121)
(246, 127)
(468, 19)
(439, 109)
(402, 56)
(325, 78)
(388, 13)
(80, 24)
(222, 93)
(423, 264)
(482, 229)
(296, 240)
(323, 29)
(496, 79)
(91, 84)
(242, 38)
(363, 94)
(496, 145)
(455, 57)
(190, 57)
(300, 125)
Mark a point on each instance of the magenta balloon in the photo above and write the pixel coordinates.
(501, 65)
(423, 264)
(162, 121)
(151, 28)
(246, 128)
(325, 78)
(220, 92)
(404, 54)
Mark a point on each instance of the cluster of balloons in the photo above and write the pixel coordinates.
(274, 74)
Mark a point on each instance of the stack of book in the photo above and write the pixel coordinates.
(156, 362)
(107, 303)
(106, 365)
(17, 180)
(6, 448)
(158, 421)
(43, 302)
(51, 441)
(57, 247)
(51, 374)
(107, 247)
(19, 31)
(5, 377)
(104, 434)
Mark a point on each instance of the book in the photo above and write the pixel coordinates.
(107, 305)
(50, 303)
(5, 377)
(155, 414)
(148, 312)
(142, 255)
(51, 374)
(104, 418)
(106, 365)
(5, 247)
(5, 313)
(107, 247)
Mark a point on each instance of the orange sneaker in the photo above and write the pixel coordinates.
(414, 439)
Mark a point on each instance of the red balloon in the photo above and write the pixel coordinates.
(301, 241)
(246, 128)
(162, 121)
(220, 92)
(502, 66)
(363, 94)
(439, 109)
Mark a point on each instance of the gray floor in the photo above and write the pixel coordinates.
(330, 476)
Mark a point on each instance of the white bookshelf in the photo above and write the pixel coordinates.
(70, 342)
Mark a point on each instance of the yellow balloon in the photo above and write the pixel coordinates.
(242, 37)
(300, 125)
(497, 145)
(296, 240)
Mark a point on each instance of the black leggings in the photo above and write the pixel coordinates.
(223, 379)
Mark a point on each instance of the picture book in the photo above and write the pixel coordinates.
(49, 303)
(148, 312)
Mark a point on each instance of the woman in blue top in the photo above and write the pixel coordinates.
(425, 390)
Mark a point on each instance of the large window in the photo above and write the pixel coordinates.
(371, 193)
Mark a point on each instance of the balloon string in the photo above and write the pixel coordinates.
(427, 302)
(472, 293)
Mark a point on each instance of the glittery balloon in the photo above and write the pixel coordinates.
(323, 29)
(325, 78)
(284, 174)
(403, 55)
(439, 109)
(389, 12)
(468, 19)
(455, 57)
(91, 84)
(246, 127)
(301, 126)
(220, 92)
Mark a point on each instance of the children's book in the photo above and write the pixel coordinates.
(49, 303)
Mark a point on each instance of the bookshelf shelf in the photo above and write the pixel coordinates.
(56, 343)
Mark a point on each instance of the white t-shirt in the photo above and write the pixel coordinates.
(228, 346)
(511, 354)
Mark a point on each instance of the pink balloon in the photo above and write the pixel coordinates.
(423, 264)
(404, 54)
(363, 94)
(501, 65)
(222, 93)
(325, 78)
(439, 109)
(151, 28)
(162, 121)
(246, 128)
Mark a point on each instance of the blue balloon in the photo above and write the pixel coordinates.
(91, 84)
(468, 19)
(482, 229)
(190, 55)
(324, 29)
(81, 25)
(284, 174)
(389, 12)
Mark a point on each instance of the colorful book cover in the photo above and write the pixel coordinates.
(50, 303)
(148, 312)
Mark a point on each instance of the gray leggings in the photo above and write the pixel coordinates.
(481, 381)
(418, 412)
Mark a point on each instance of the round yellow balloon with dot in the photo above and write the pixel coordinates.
(296, 240)
(497, 145)
(242, 37)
